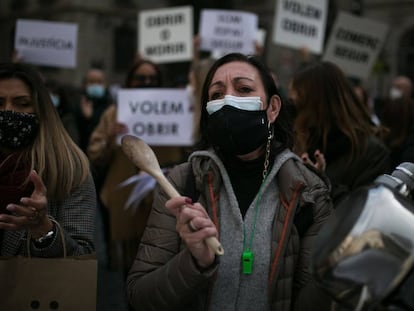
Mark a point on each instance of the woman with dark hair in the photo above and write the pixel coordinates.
(250, 191)
(44, 176)
(398, 118)
(143, 73)
(332, 123)
(124, 227)
(283, 134)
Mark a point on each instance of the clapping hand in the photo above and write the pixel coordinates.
(319, 164)
(31, 213)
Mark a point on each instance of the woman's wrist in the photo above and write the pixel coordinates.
(203, 267)
(42, 229)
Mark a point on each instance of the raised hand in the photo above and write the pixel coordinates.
(194, 226)
(31, 213)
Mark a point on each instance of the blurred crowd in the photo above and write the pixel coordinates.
(340, 128)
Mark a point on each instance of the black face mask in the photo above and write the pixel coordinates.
(17, 129)
(235, 131)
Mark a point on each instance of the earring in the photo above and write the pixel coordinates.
(267, 155)
(270, 130)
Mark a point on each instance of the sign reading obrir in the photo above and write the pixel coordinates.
(151, 108)
(158, 116)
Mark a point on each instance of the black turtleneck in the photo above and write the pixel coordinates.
(246, 178)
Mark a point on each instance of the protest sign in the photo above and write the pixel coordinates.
(301, 23)
(354, 44)
(261, 37)
(228, 31)
(260, 40)
(46, 43)
(166, 35)
(160, 117)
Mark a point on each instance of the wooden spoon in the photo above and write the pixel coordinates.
(143, 157)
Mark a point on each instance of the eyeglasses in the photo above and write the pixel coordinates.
(145, 79)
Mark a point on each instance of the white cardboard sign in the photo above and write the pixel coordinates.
(354, 44)
(46, 43)
(166, 35)
(228, 31)
(160, 117)
(301, 23)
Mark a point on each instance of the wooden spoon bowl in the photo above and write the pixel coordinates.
(142, 156)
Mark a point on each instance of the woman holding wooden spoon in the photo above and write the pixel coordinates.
(250, 191)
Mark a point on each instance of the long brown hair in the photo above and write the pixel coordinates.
(398, 117)
(131, 72)
(326, 102)
(56, 158)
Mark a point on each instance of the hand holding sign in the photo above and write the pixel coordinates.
(354, 44)
(160, 116)
(165, 35)
(301, 23)
(46, 43)
(228, 31)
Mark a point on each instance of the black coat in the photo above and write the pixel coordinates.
(346, 175)
(406, 152)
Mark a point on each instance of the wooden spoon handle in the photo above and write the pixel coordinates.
(143, 157)
(212, 242)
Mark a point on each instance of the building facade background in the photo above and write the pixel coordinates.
(107, 34)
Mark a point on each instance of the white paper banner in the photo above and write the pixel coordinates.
(354, 44)
(160, 117)
(46, 43)
(166, 35)
(228, 31)
(301, 23)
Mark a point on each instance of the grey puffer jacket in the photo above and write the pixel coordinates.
(164, 275)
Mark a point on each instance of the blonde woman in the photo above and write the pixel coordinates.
(44, 176)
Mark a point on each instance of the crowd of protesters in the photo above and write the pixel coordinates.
(324, 122)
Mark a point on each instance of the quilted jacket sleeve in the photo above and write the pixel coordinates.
(316, 196)
(164, 275)
(315, 202)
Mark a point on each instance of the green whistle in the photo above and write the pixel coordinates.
(247, 262)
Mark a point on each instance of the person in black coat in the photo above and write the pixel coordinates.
(95, 99)
(398, 118)
(334, 130)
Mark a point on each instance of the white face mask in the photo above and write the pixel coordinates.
(245, 103)
(95, 90)
(395, 93)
